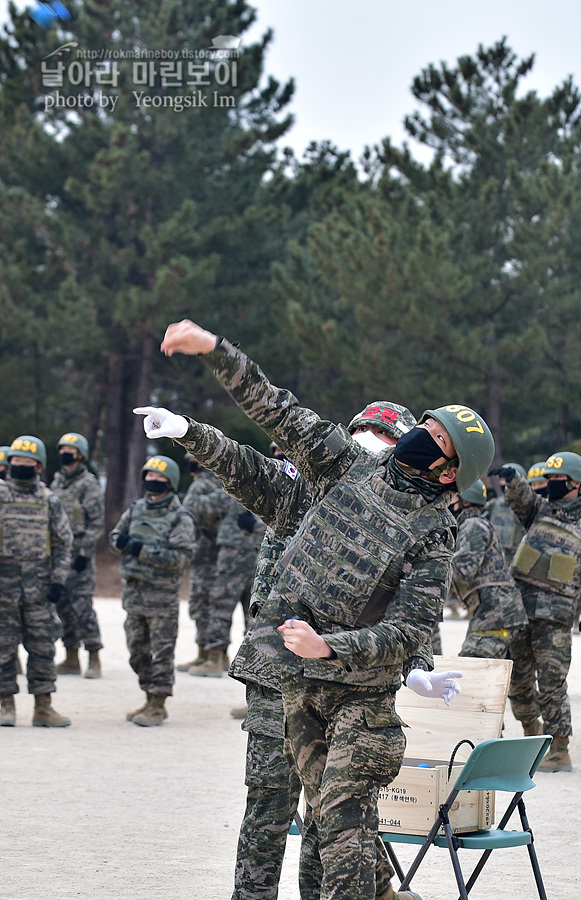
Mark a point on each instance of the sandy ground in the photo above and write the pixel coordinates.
(105, 809)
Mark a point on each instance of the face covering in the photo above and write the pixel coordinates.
(66, 458)
(156, 486)
(25, 474)
(418, 449)
(3, 475)
(194, 466)
(542, 492)
(556, 490)
(370, 442)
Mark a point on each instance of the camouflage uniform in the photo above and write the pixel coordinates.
(508, 527)
(547, 570)
(82, 499)
(483, 584)
(35, 551)
(372, 630)
(205, 555)
(151, 586)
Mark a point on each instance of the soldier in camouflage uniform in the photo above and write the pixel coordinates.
(482, 582)
(205, 554)
(35, 559)
(536, 478)
(82, 498)
(369, 568)
(547, 570)
(154, 538)
(507, 525)
(4, 464)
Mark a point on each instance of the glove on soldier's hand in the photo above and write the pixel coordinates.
(134, 546)
(122, 541)
(160, 422)
(442, 685)
(246, 521)
(54, 592)
(80, 563)
(506, 472)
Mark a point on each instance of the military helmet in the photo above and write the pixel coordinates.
(518, 468)
(73, 439)
(475, 494)
(565, 463)
(536, 472)
(29, 446)
(471, 437)
(165, 466)
(393, 419)
(4, 455)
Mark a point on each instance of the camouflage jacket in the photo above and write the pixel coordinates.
(167, 532)
(34, 530)
(481, 578)
(507, 525)
(206, 515)
(81, 495)
(372, 655)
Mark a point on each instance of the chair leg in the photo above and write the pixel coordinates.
(462, 887)
(532, 851)
(394, 861)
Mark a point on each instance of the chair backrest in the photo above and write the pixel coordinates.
(503, 764)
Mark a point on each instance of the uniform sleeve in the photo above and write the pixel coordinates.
(471, 546)
(61, 540)
(122, 527)
(174, 555)
(523, 501)
(93, 504)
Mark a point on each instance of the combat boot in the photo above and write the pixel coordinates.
(154, 713)
(213, 667)
(45, 716)
(7, 711)
(557, 759)
(94, 667)
(390, 894)
(70, 665)
(532, 728)
(200, 658)
(136, 712)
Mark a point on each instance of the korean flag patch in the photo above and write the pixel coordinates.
(290, 470)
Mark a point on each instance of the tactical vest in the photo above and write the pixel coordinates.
(25, 524)
(548, 556)
(265, 576)
(493, 571)
(70, 497)
(509, 529)
(355, 537)
(153, 529)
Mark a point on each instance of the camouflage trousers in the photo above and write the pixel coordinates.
(234, 576)
(541, 655)
(202, 577)
(346, 743)
(273, 794)
(75, 609)
(490, 643)
(151, 641)
(27, 617)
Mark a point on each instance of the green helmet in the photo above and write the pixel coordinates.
(475, 494)
(565, 463)
(4, 455)
(73, 439)
(165, 466)
(518, 468)
(472, 440)
(536, 472)
(29, 446)
(393, 419)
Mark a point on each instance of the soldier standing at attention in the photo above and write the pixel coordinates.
(358, 592)
(482, 581)
(35, 560)
(507, 525)
(547, 569)
(82, 498)
(154, 537)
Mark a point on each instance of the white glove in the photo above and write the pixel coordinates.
(434, 684)
(160, 422)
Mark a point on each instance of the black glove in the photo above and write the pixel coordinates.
(80, 563)
(54, 592)
(135, 546)
(246, 521)
(122, 541)
(506, 472)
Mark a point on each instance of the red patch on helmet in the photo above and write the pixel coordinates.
(378, 412)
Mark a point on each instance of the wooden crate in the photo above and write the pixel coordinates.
(410, 803)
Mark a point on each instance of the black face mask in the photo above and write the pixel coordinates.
(66, 458)
(418, 449)
(25, 474)
(556, 490)
(542, 492)
(194, 466)
(154, 486)
(3, 475)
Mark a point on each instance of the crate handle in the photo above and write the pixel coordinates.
(456, 748)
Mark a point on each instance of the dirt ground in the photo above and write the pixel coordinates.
(106, 810)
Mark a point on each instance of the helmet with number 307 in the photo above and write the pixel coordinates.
(29, 446)
(164, 465)
(565, 463)
(391, 418)
(472, 440)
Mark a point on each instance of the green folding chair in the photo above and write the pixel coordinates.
(503, 764)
